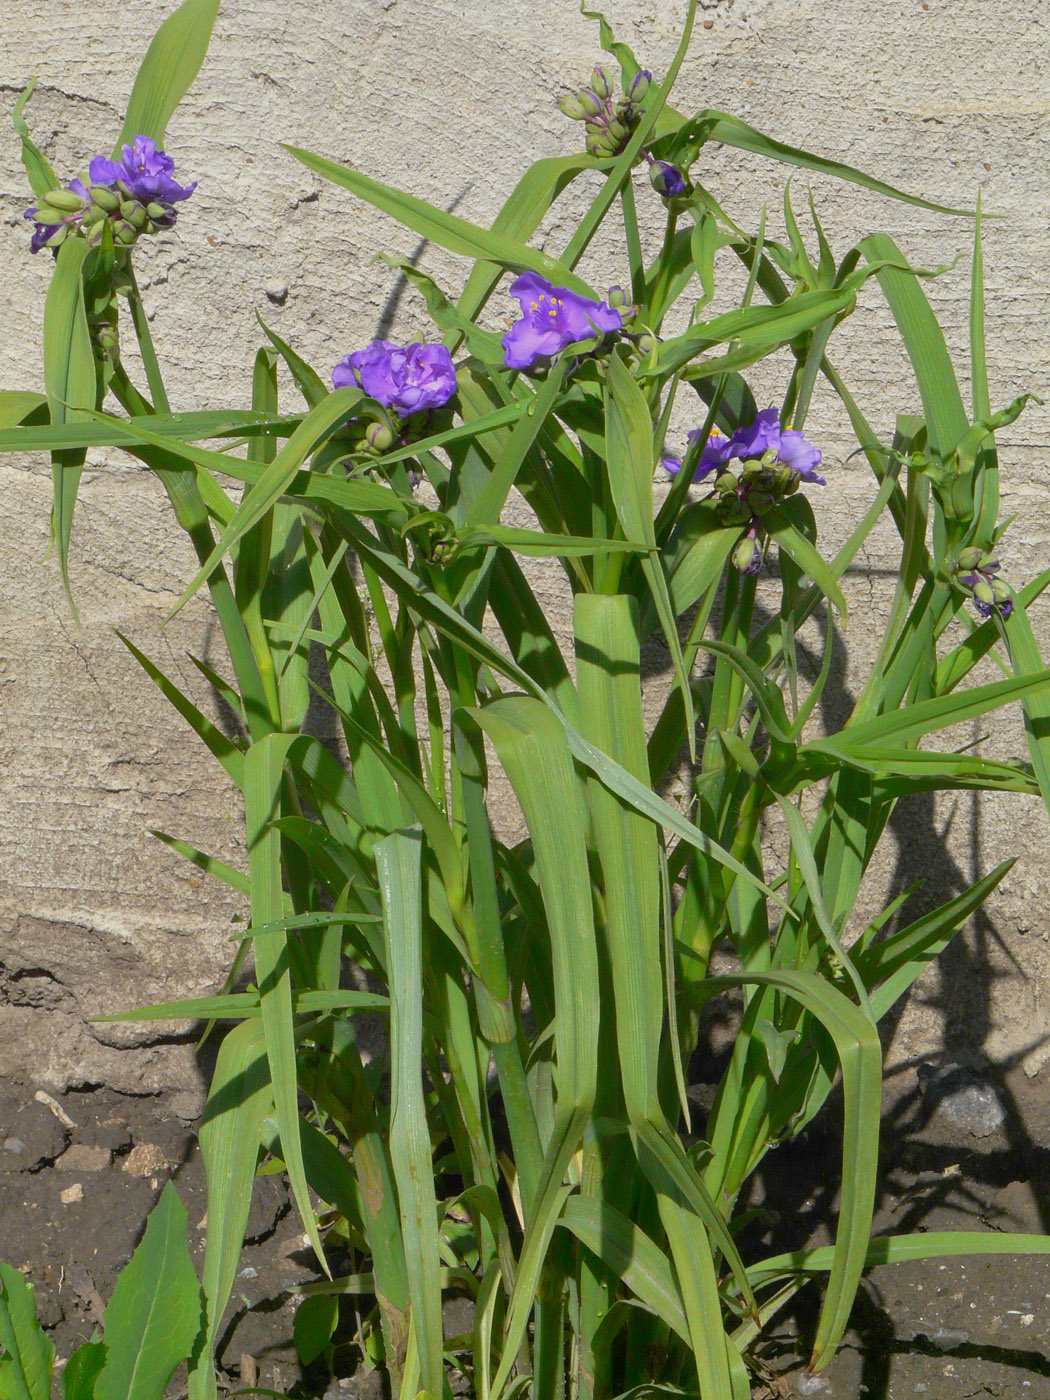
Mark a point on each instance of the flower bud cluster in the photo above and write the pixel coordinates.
(761, 484)
(609, 123)
(975, 573)
(133, 196)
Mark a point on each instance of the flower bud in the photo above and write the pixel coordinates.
(970, 558)
(984, 592)
(616, 297)
(125, 234)
(158, 213)
(59, 236)
(617, 132)
(105, 199)
(108, 343)
(747, 556)
(600, 84)
(639, 85)
(667, 180)
(726, 482)
(760, 501)
(572, 107)
(64, 200)
(589, 104)
(379, 437)
(646, 342)
(46, 215)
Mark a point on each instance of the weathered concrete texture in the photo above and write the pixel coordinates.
(452, 101)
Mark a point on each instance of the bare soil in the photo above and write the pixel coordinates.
(961, 1150)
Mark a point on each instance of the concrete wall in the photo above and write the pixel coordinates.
(451, 99)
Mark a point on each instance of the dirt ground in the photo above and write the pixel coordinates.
(961, 1150)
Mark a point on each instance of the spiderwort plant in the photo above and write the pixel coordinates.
(537, 1150)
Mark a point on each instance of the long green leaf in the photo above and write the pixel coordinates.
(263, 782)
(629, 462)
(399, 868)
(70, 381)
(238, 1100)
(172, 61)
(860, 1056)
(712, 125)
(42, 178)
(446, 230)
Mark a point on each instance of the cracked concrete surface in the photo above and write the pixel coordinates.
(452, 101)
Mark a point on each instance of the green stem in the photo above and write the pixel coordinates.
(145, 340)
(634, 242)
(662, 281)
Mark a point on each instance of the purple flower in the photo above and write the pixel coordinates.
(763, 435)
(552, 317)
(145, 171)
(407, 378)
(716, 454)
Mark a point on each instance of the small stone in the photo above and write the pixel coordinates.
(82, 1158)
(248, 1272)
(277, 292)
(947, 1338)
(41, 1135)
(962, 1097)
(806, 1384)
(15, 1145)
(144, 1159)
(54, 1107)
(71, 1194)
(187, 1105)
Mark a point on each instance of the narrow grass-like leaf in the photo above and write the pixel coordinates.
(263, 775)
(533, 751)
(154, 1315)
(399, 868)
(275, 479)
(860, 1056)
(225, 750)
(17, 404)
(902, 1249)
(70, 380)
(42, 178)
(629, 462)
(446, 230)
(927, 716)
(239, 1098)
(309, 382)
(1027, 661)
(942, 403)
(172, 61)
(712, 125)
(629, 1252)
(608, 677)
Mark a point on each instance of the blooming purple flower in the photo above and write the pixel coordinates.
(753, 441)
(407, 378)
(716, 453)
(144, 171)
(552, 317)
